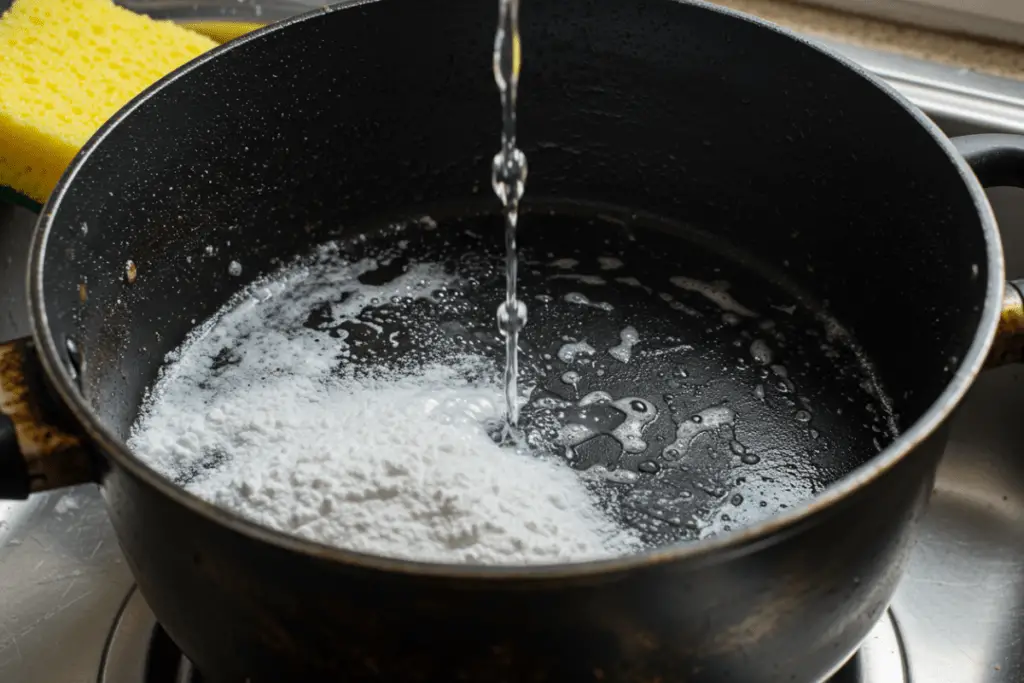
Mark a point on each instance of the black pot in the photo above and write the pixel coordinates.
(331, 119)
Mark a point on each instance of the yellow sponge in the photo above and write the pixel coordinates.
(223, 31)
(66, 66)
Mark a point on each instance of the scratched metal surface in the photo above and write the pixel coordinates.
(960, 608)
(61, 582)
(61, 573)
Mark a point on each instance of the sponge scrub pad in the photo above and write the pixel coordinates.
(66, 66)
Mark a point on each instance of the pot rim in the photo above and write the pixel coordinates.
(729, 543)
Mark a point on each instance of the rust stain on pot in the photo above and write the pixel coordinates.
(1008, 346)
(54, 457)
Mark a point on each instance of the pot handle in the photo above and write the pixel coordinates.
(998, 161)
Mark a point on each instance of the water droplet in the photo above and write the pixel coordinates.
(761, 352)
(595, 397)
(511, 317)
(649, 467)
(609, 262)
(508, 175)
(708, 420)
(583, 300)
(570, 352)
(564, 263)
(595, 280)
(624, 349)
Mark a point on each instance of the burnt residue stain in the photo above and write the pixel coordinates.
(54, 455)
(209, 461)
(226, 357)
(320, 317)
(385, 272)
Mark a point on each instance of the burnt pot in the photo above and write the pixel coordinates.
(345, 114)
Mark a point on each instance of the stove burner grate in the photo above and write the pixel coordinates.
(139, 651)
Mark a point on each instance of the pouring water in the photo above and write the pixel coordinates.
(508, 177)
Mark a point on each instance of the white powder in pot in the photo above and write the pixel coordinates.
(402, 468)
(392, 464)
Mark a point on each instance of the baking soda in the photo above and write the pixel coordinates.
(259, 413)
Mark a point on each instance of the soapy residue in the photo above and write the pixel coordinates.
(584, 300)
(715, 293)
(586, 425)
(254, 414)
(708, 420)
(574, 350)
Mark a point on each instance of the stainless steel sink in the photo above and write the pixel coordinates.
(995, 19)
(960, 608)
(959, 613)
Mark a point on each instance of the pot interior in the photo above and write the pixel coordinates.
(712, 142)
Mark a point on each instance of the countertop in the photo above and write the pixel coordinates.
(998, 59)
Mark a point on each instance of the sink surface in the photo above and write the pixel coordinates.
(961, 606)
